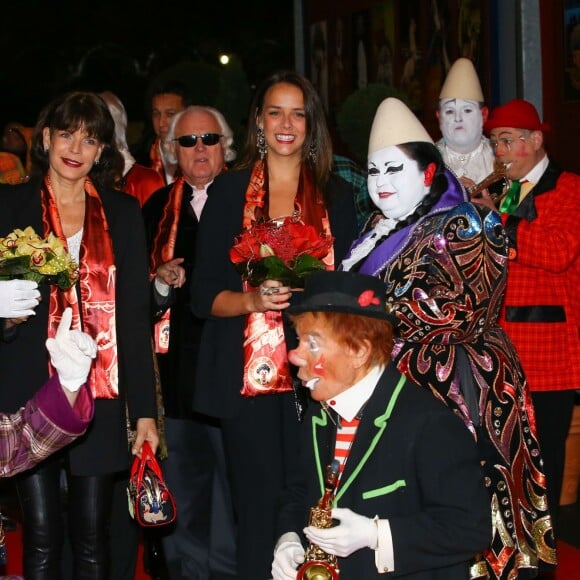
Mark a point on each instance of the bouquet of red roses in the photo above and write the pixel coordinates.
(286, 251)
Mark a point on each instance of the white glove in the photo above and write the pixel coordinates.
(18, 298)
(353, 533)
(288, 556)
(71, 352)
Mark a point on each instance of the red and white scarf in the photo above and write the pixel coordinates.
(97, 278)
(163, 251)
(266, 369)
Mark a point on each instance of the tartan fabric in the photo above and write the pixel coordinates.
(11, 170)
(545, 272)
(357, 177)
(34, 432)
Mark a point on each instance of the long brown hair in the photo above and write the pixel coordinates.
(317, 135)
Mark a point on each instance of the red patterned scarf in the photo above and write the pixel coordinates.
(162, 251)
(155, 156)
(97, 277)
(163, 248)
(266, 369)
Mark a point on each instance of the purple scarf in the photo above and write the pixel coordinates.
(388, 250)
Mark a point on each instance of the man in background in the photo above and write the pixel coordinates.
(541, 311)
(167, 99)
(202, 544)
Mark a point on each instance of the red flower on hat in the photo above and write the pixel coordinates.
(367, 298)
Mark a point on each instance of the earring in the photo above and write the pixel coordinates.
(312, 152)
(96, 162)
(261, 142)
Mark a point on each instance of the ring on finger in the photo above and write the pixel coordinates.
(268, 291)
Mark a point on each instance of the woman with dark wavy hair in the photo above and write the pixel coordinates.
(71, 195)
(444, 261)
(284, 178)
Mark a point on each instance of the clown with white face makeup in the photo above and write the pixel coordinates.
(461, 123)
(462, 114)
(443, 260)
(396, 184)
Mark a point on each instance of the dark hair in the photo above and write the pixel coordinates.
(171, 87)
(86, 111)
(424, 154)
(317, 135)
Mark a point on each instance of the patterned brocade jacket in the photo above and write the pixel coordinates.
(446, 277)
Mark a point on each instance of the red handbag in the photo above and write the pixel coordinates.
(150, 501)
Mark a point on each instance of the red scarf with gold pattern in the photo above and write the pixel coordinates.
(97, 277)
(163, 248)
(266, 369)
(162, 251)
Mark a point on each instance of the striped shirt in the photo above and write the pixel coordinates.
(344, 440)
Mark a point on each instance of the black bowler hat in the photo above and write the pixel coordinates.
(348, 292)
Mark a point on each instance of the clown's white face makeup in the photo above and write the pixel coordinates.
(325, 366)
(461, 124)
(395, 182)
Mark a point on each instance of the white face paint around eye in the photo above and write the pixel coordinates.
(313, 345)
(395, 182)
(461, 124)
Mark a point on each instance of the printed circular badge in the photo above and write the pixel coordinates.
(262, 373)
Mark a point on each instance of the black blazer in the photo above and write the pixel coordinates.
(177, 366)
(24, 359)
(220, 365)
(414, 463)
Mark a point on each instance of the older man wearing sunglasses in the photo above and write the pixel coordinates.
(199, 140)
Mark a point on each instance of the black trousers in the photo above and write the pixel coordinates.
(202, 541)
(262, 446)
(87, 506)
(553, 411)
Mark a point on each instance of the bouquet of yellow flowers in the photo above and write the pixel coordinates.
(24, 254)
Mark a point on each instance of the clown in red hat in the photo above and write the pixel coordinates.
(516, 137)
(541, 311)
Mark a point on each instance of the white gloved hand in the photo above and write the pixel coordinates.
(71, 352)
(18, 298)
(289, 554)
(353, 533)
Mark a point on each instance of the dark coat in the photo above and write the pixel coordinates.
(177, 366)
(220, 368)
(414, 463)
(24, 359)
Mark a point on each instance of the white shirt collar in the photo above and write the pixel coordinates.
(349, 402)
(536, 173)
(198, 198)
(198, 190)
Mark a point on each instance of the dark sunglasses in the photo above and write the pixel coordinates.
(191, 140)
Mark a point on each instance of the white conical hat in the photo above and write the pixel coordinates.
(462, 82)
(395, 123)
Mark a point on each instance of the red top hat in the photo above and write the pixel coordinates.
(518, 114)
